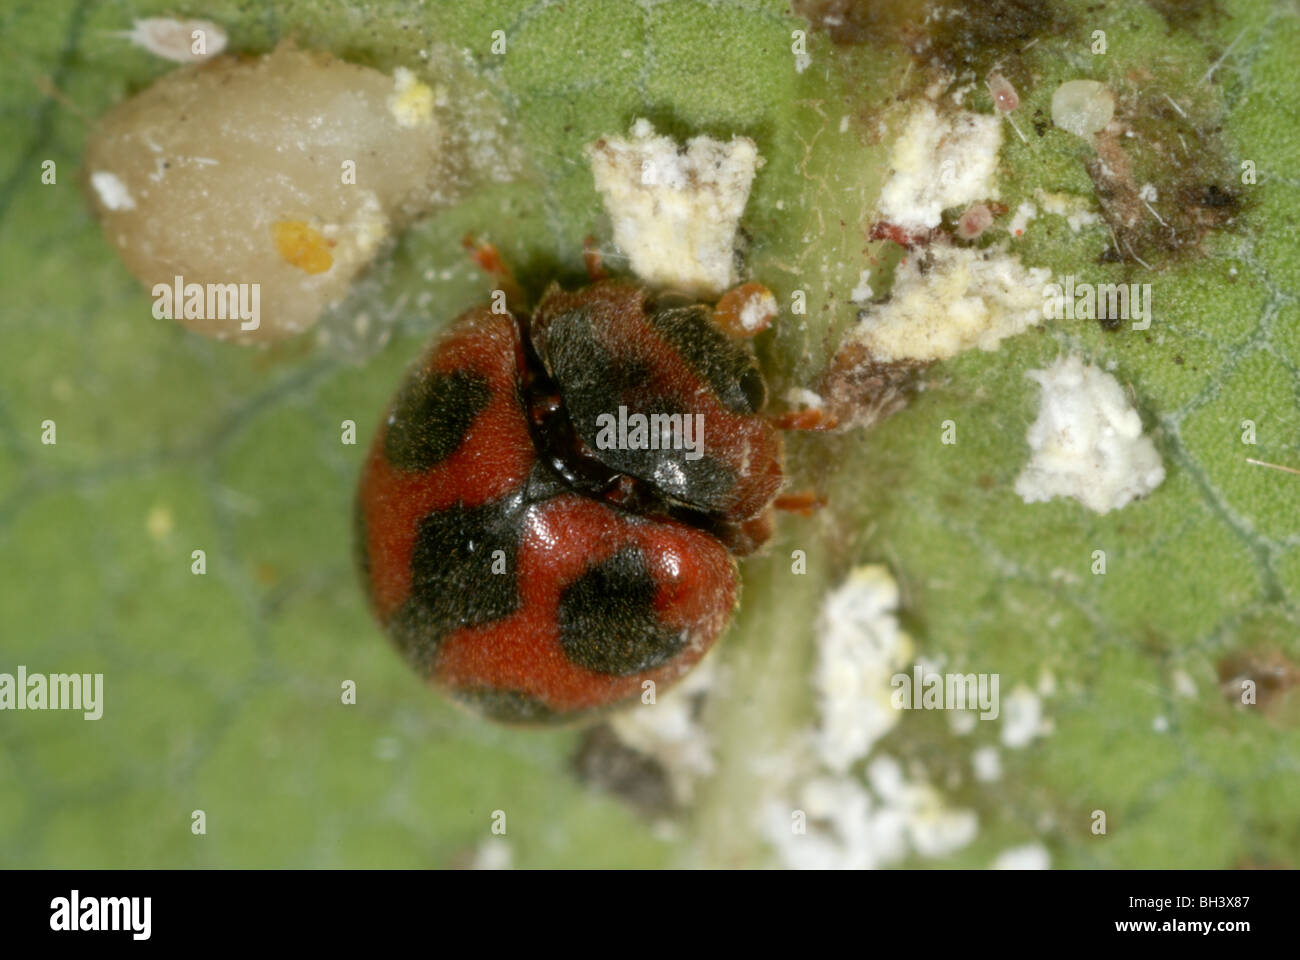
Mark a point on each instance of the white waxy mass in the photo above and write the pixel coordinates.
(1087, 443)
(676, 209)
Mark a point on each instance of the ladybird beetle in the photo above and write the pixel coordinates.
(531, 570)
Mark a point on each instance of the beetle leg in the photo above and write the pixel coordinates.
(591, 256)
(489, 261)
(805, 503)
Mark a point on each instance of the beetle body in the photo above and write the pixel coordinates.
(522, 562)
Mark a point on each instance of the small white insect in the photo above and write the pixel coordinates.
(1004, 94)
(1005, 98)
(974, 221)
(181, 41)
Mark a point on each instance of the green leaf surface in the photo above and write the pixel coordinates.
(223, 691)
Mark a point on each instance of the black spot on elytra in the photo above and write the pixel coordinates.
(608, 621)
(453, 583)
(430, 417)
(728, 368)
(588, 374)
(594, 382)
(706, 483)
(510, 706)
